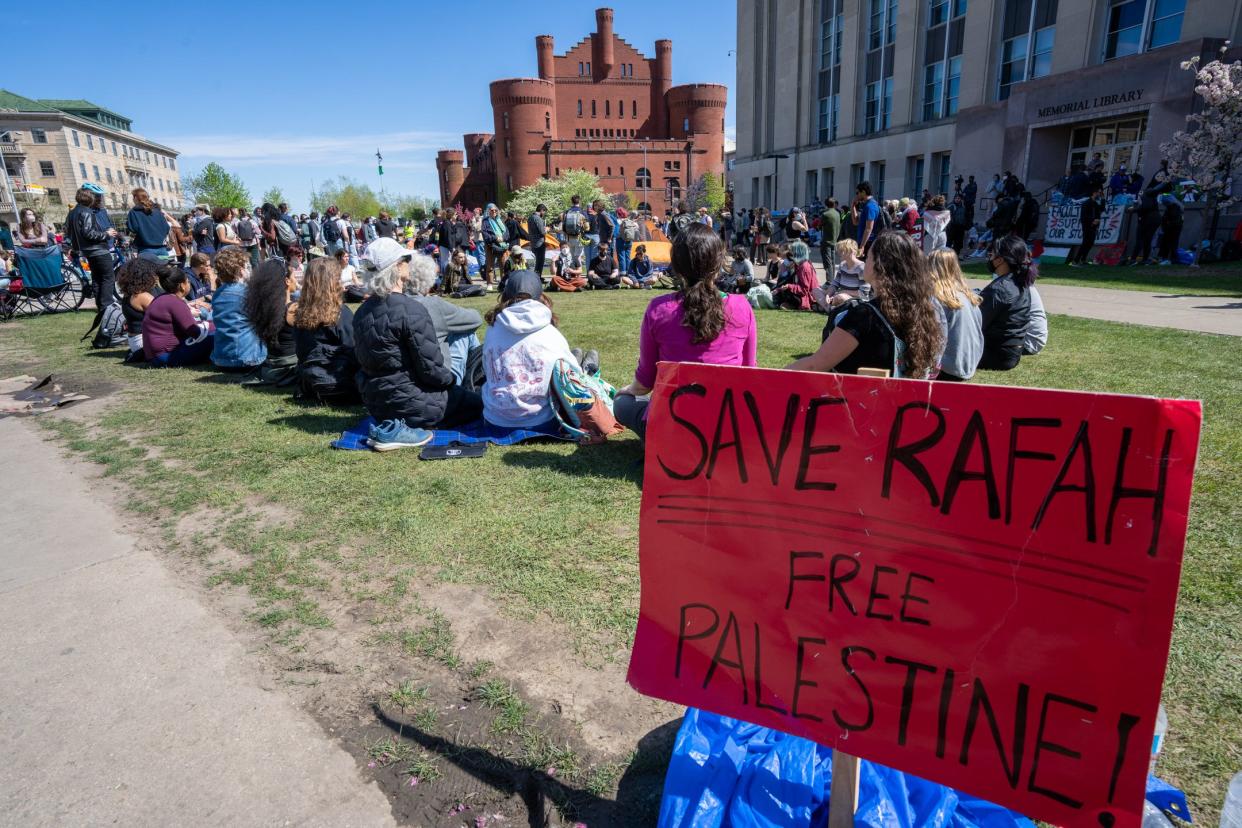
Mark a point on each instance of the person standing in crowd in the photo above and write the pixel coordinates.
(1006, 305)
(959, 220)
(970, 194)
(513, 229)
(1171, 221)
(1119, 182)
(1090, 212)
(726, 227)
(601, 230)
(762, 234)
(331, 232)
(680, 221)
(795, 225)
(935, 222)
(1134, 186)
(697, 323)
(314, 228)
(405, 384)
(1148, 212)
(369, 233)
(495, 243)
(225, 235)
(149, 226)
(899, 330)
(1028, 215)
(993, 192)
(574, 226)
(865, 213)
(385, 227)
(89, 240)
(627, 234)
(963, 321)
(745, 218)
(204, 231)
(283, 210)
(537, 232)
(248, 236)
(829, 235)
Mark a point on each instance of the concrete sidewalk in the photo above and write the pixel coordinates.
(123, 701)
(1206, 314)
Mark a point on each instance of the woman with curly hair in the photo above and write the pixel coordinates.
(698, 323)
(236, 346)
(138, 283)
(899, 330)
(271, 315)
(1006, 306)
(324, 336)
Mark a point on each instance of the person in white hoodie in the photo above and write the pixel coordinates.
(519, 353)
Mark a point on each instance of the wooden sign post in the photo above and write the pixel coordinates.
(973, 584)
(843, 792)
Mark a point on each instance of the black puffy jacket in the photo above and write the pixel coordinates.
(1006, 311)
(327, 365)
(404, 375)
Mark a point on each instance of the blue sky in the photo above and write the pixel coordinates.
(292, 93)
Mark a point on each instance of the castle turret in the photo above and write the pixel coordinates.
(661, 82)
(696, 111)
(545, 49)
(451, 175)
(601, 44)
(523, 109)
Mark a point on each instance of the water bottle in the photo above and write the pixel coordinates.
(1153, 817)
(1231, 814)
(1157, 738)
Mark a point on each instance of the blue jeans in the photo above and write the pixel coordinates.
(185, 354)
(459, 346)
(623, 255)
(592, 249)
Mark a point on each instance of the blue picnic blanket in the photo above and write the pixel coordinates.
(480, 431)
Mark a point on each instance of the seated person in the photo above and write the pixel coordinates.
(776, 263)
(741, 273)
(520, 350)
(1006, 306)
(511, 261)
(172, 337)
(202, 279)
(236, 346)
(455, 326)
(270, 309)
(406, 386)
(902, 309)
(1037, 329)
(602, 272)
(847, 282)
(567, 274)
(138, 283)
(456, 272)
(798, 293)
(324, 336)
(351, 282)
(695, 324)
(642, 273)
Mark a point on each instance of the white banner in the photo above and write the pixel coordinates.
(1065, 228)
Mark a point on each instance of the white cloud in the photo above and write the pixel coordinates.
(301, 150)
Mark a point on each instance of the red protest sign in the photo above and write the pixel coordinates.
(972, 584)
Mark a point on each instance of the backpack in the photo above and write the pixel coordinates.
(573, 223)
(245, 230)
(284, 233)
(111, 327)
(884, 221)
(331, 233)
(629, 230)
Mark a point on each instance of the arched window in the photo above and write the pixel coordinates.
(672, 188)
(642, 178)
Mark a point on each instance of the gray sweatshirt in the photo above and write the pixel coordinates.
(448, 320)
(963, 345)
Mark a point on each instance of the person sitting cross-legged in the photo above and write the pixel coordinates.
(406, 386)
(324, 337)
(172, 336)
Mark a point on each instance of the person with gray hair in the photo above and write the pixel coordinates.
(455, 326)
(406, 386)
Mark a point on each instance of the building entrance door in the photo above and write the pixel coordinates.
(1117, 141)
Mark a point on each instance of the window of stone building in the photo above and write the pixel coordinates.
(941, 168)
(77, 142)
(672, 188)
(580, 107)
(82, 169)
(607, 109)
(828, 103)
(597, 170)
(46, 169)
(642, 178)
(547, 120)
(1138, 25)
(942, 58)
(620, 108)
(633, 109)
(103, 146)
(588, 67)
(90, 142)
(39, 136)
(608, 171)
(53, 195)
(1029, 32)
(580, 68)
(915, 173)
(114, 147)
(622, 172)
(592, 109)
(504, 119)
(108, 174)
(685, 125)
(95, 167)
(506, 148)
(878, 66)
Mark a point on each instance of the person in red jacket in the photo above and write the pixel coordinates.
(799, 293)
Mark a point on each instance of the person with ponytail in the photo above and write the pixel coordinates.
(1006, 306)
(900, 330)
(698, 323)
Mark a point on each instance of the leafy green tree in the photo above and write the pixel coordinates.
(349, 196)
(217, 187)
(556, 192)
(273, 196)
(706, 191)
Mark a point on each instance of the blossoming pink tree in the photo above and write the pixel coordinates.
(1210, 149)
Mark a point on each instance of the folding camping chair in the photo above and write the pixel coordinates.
(44, 283)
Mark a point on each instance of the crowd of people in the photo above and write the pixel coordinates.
(233, 289)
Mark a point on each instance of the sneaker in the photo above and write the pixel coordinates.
(590, 362)
(1073, 264)
(1165, 263)
(394, 434)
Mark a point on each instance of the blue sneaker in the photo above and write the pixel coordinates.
(395, 434)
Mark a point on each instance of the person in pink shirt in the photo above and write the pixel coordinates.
(698, 323)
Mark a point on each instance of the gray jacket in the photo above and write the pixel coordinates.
(963, 342)
(449, 320)
(535, 230)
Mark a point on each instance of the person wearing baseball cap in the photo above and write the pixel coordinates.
(407, 387)
(521, 349)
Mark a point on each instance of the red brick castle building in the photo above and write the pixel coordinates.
(602, 107)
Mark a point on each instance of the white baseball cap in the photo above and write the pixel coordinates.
(383, 253)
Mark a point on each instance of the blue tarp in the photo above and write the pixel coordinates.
(726, 772)
(480, 431)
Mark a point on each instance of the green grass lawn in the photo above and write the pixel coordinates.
(550, 530)
(1223, 279)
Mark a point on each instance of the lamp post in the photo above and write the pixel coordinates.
(776, 176)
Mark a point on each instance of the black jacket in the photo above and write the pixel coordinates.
(327, 365)
(1006, 311)
(514, 230)
(88, 238)
(404, 375)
